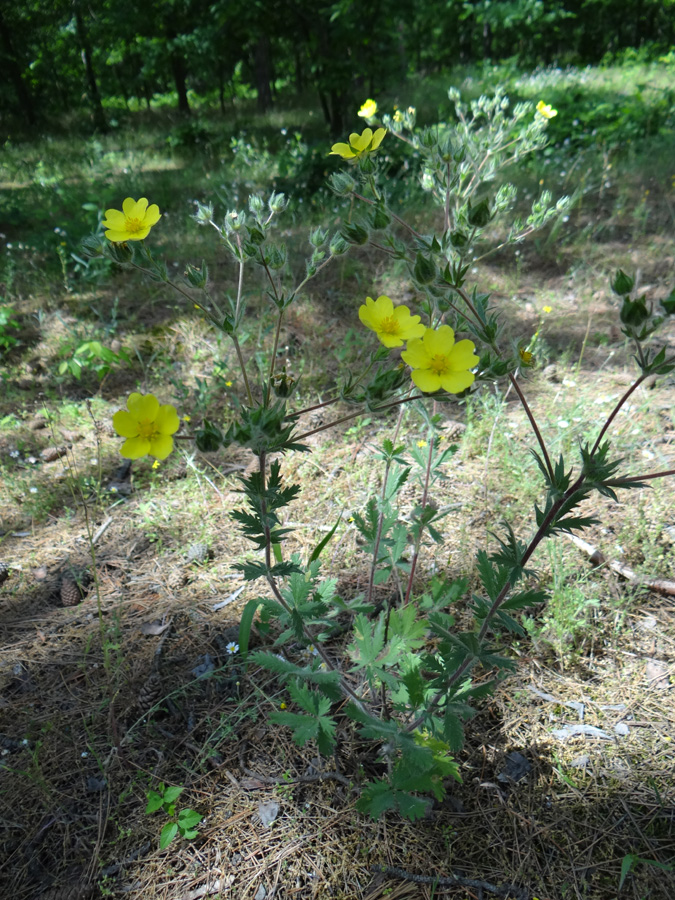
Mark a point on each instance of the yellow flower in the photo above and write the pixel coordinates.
(155, 465)
(368, 110)
(228, 384)
(282, 706)
(398, 116)
(133, 223)
(547, 309)
(438, 362)
(147, 427)
(546, 110)
(526, 358)
(187, 419)
(359, 144)
(393, 325)
(421, 443)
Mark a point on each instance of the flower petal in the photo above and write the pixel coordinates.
(117, 237)
(343, 150)
(152, 215)
(390, 340)
(377, 138)
(138, 235)
(166, 420)
(426, 380)
(456, 382)
(463, 356)
(141, 206)
(143, 406)
(114, 219)
(415, 354)
(383, 306)
(440, 341)
(129, 206)
(161, 446)
(135, 447)
(125, 424)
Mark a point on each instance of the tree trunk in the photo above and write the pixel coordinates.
(85, 47)
(23, 95)
(179, 73)
(262, 71)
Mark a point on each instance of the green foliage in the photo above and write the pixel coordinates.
(410, 674)
(185, 820)
(8, 324)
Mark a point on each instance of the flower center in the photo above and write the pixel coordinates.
(439, 364)
(389, 325)
(133, 225)
(147, 429)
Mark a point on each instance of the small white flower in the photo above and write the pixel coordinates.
(562, 423)
(84, 754)
(33, 490)
(31, 460)
(14, 454)
(232, 648)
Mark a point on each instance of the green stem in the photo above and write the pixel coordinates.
(418, 542)
(380, 523)
(355, 414)
(235, 341)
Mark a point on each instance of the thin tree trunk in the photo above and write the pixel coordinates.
(262, 71)
(23, 95)
(94, 96)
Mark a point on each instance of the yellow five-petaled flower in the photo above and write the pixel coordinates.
(392, 324)
(147, 427)
(546, 110)
(368, 110)
(359, 144)
(133, 222)
(438, 362)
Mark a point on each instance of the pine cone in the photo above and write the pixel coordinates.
(50, 454)
(70, 591)
(4, 572)
(198, 553)
(176, 580)
(150, 691)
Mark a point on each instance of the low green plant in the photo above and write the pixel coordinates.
(184, 821)
(410, 670)
(91, 356)
(8, 325)
(630, 862)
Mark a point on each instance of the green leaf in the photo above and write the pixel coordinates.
(168, 833)
(316, 552)
(155, 802)
(188, 818)
(245, 625)
(172, 793)
(304, 727)
(626, 865)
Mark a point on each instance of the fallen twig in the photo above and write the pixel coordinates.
(660, 585)
(505, 890)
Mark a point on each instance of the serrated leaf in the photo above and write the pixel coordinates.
(304, 727)
(172, 793)
(155, 802)
(189, 818)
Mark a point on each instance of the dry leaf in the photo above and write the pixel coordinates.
(155, 627)
(268, 812)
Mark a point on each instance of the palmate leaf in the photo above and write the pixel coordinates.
(316, 724)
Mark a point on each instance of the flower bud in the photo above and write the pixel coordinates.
(634, 312)
(622, 284)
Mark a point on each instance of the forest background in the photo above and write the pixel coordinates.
(122, 687)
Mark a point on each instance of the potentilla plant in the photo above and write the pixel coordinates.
(408, 675)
